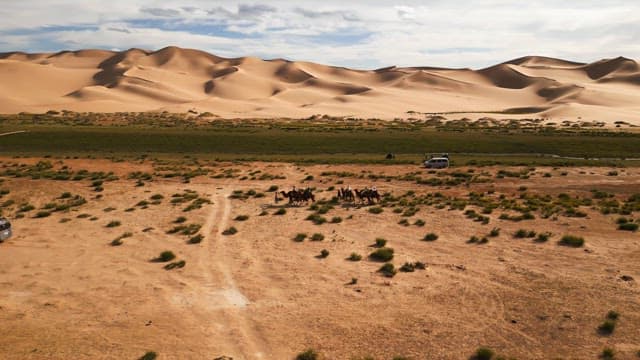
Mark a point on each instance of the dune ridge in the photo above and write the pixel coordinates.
(177, 80)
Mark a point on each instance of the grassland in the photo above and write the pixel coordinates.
(328, 144)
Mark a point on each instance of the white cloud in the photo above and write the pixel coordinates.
(364, 34)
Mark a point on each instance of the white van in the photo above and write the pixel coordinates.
(5, 229)
(437, 163)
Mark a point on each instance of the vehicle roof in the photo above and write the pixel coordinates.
(438, 158)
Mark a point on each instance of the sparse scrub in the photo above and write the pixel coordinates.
(196, 239)
(431, 237)
(571, 241)
(382, 254)
(300, 237)
(354, 257)
(336, 220)
(42, 214)
(113, 223)
(607, 327)
(376, 210)
(151, 355)
(324, 253)
(165, 256)
(317, 237)
(380, 242)
(175, 265)
(230, 231)
(241, 218)
(495, 232)
(419, 222)
(309, 354)
(280, 211)
(388, 270)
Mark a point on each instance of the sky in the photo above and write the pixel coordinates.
(360, 34)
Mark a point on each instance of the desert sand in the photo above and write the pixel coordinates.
(178, 80)
(67, 293)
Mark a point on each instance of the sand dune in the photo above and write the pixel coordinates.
(176, 79)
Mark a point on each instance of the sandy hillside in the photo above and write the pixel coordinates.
(67, 293)
(176, 79)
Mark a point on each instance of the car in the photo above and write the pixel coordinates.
(437, 163)
(5, 229)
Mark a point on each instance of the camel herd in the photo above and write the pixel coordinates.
(303, 196)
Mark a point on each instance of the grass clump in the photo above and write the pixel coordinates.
(495, 232)
(388, 270)
(308, 354)
(376, 210)
(382, 254)
(300, 237)
(571, 241)
(280, 211)
(317, 237)
(113, 223)
(336, 220)
(629, 226)
(180, 220)
(419, 222)
(317, 219)
(242, 218)
(324, 253)
(431, 237)
(380, 242)
(483, 353)
(354, 257)
(42, 214)
(608, 354)
(118, 241)
(613, 315)
(196, 239)
(175, 265)
(150, 355)
(607, 327)
(230, 231)
(543, 237)
(165, 256)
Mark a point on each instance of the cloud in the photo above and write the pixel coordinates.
(161, 12)
(358, 33)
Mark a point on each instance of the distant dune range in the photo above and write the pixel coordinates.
(178, 80)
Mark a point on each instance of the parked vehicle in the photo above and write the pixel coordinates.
(5, 229)
(437, 163)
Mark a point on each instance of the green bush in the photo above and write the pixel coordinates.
(336, 220)
(230, 231)
(113, 223)
(628, 226)
(388, 270)
(272, 188)
(196, 239)
(309, 354)
(151, 355)
(180, 220)
(613, 315)
(483, 353)
(380, 242)
(355, 257)
(300, 237)
(571, 241)
(242, 218)
(280, 211)
(419, 222)
(42, 214)
(494, 232)
(430, 237)
(607, 327)
(166, 256)
(376, 210)
(317, 219)
(408, 267)
(317, 237)
(608, 354)
(324, 253)
(382, 254)
(543, 237)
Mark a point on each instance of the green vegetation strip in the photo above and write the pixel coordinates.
(264, 143)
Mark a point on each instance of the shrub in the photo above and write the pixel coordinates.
(494, 232)
(403, 222)
(280, 211)
(300, 237)
(317, 237)
(430, 237)
(612, 173)
(408, 267)
(419, 222)
(324, 253)
(336, 220)
(317, 219)
(65, 195)
(151, 355)
(572, 241)
(388, 270)
(543, 237)
(230, 231)
(472, 240)
(607, 327)
(483, 353)
(382, 254)
(241, 218)
(157, 197)
(376, 210)
(608, 354)
(42, 214)
(355, 257)
(613, 315)
(628, 226)
(520, 234)
(166, 256)
(309, 354)
(175, 265)
(622, 220)
(113, 223)
(380, 242)
(180, 220)
(196, 239)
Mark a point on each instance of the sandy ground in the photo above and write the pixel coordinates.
(67, 294)
(180, 80)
